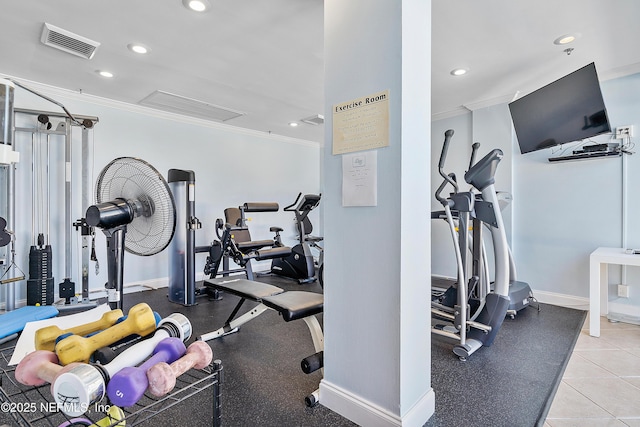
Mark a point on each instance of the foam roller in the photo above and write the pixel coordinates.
(140, 320)
(162, 376)
(45, 338)
(128, 385)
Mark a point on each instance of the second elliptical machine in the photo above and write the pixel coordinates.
(473, 316)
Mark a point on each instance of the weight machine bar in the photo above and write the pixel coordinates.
(48, 175)
(53, 101)
(34, 199)
(67, 201)
(6, 137)
(42, 131)
(86, 202)
(54, 114)
(10, 302)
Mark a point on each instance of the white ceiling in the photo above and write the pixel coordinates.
(265, 57)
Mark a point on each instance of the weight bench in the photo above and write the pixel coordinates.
(291, 305)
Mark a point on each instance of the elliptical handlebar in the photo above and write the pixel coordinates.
(307, 204)
(474, 150)
(440, 189)
(448, 178)
(445, 147)
(288, 208)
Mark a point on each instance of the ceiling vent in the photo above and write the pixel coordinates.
(189, 107)
(316, 119)
(67, 41)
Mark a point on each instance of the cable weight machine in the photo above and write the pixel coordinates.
(53, 152)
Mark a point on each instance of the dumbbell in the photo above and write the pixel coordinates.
(45, 338)
(107, 353)
(140, 320)
(128, 385)
(86, 384)
(162, 376)
(40, 367)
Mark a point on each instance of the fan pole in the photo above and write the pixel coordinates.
(115, 265)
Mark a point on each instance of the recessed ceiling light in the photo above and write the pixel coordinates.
(196, 5)
(104, 73)
(293, 124)
(566, 38)
(459, 72)
(138, 48)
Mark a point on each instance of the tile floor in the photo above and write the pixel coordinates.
(601, 385)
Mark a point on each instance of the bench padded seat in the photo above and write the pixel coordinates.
(252, 245)
(243, 288)
(295, 304)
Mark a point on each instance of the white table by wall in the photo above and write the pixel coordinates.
(599, 261)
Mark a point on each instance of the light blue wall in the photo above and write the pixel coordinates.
(376, 291)
(231, 165)
(622, 97)
(561, 211)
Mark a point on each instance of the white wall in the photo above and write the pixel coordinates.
(561, 211)
(231, 165)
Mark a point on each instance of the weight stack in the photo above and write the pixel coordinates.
(40, 283)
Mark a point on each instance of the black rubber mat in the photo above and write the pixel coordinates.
(511, 383)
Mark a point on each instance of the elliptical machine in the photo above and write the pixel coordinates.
(520, 294)
(474, 315)
(301, 264)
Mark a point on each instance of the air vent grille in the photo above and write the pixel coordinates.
(189, 107)
(68, 42)
(316, 119)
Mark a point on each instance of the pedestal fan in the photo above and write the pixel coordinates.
(136, 212)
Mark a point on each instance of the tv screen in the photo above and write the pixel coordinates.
(569, 109)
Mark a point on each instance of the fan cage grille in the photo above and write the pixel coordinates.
(134, 179)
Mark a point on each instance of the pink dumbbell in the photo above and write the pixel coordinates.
(162, 376)
(40, 367)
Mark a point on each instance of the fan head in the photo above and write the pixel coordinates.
(138, 185)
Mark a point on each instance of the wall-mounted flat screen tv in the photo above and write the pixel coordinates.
(569, 109)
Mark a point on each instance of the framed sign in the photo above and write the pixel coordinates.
(361, 124)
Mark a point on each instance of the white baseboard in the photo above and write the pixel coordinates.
(128, 288)
(624, 313)
(365, 413)
(563, 300)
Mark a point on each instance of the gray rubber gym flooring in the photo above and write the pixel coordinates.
(510, 383)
